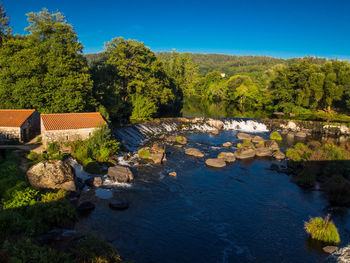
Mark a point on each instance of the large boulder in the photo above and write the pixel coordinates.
(263, 152)
(301, 134)
(272, 144)
(227, 156)
(52, 175)
(120, 174)
(215, 123)
(244, 136)
(216, 163)
(244, 153)
(156, 153)
(194, 152)
(257, 139)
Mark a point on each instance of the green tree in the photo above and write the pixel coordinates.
(5, 29)
(243, 91)
(45, 70)
(136, 72)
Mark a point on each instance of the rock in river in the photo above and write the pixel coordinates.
(227, 156)
(215, 123)
(244, 153)
(194, 152)
(55, 174)
(119, 204)
(263, 152)
(257, 139)
(244, 136)
(217, 163)
(120, 174)
(279, 155)
(227, 144)
(85, 206)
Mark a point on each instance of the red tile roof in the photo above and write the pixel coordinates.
(69, 121)
(14, 118)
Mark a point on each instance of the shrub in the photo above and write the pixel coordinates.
(93, 249)
(332, 152)
(275, 136)
(21, 198)
(247, 143)
(322, 230)
(52, 148)
(239, 145)
(26, 251)
(293, 154)
(144, 154)
(306, 179)
(39, 139)
(33, 156)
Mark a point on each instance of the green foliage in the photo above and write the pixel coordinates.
(129, 80)
(5, 29)
(300, 152)
(332, 152)
(21, 198)
(143, 108)
(52, 148)
(306, 179)
(94, 250)
(322, 230)
(26, 251)
(44, 70)
(100, 147)
(275, 136)
(144, 154)
(39, 139)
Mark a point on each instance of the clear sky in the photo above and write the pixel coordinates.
(280, 28)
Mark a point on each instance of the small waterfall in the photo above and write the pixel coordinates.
(245, 125)
(135, 135)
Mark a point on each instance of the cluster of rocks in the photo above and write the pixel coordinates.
(341, 255)
(252, 146)
(57, 174)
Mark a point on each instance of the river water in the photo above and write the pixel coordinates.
(244, 212)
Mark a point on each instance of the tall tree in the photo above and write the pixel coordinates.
(45, 70)
(139, 81)
(5, 29)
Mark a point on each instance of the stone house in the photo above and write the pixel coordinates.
(19, 125)
(63, 127)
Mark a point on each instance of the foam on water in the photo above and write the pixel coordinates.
(245, 125)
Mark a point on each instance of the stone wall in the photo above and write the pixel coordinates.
(66, 135)
(8, 134)
(31, 127)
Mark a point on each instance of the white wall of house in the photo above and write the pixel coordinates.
(65, 135)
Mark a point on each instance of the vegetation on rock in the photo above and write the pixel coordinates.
(275, 136)
(322, 230)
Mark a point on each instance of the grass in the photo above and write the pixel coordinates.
(322, 230)
(26, 213)
(144, 154)
(275, 136)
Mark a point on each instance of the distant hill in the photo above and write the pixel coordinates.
(253, 66)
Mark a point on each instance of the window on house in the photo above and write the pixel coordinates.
(89, 134)
(67, 137)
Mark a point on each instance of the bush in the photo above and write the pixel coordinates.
(275, 136)
(39, 139)
(21, 198)
(144, 154)
(95, 250)
(322, 230)
(26, 251)
(332, 152)
(306, 179)
(101, 146)
(52, 148)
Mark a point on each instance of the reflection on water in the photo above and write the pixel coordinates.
(244, 212)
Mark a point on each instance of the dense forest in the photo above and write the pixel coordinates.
(46, 70)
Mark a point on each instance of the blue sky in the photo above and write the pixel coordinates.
(283, 28)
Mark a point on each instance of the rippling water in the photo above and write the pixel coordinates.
(241, 213)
